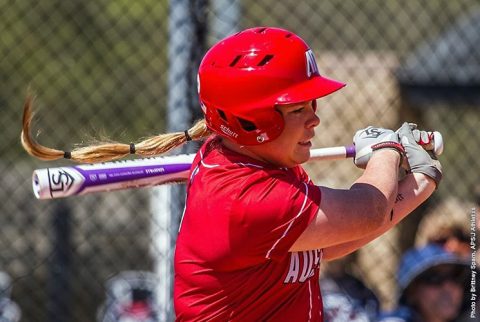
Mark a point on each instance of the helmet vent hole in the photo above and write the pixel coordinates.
(235, 60)
(288, 35)
(247, 125)
(265, 60)
(261, 30)
(222, 115)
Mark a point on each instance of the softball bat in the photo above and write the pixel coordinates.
(51, 183)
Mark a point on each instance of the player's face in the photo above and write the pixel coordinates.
(293, 145)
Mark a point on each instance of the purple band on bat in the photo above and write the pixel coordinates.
(350, 151)
(108, 176)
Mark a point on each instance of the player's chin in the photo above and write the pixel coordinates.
(302, 154)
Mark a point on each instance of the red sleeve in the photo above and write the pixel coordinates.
(271, 211)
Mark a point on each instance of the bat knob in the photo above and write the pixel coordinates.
(438, 143)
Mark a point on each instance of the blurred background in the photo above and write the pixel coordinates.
(124, 70)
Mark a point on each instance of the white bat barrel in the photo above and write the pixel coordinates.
(39, 182)
(56, 182)
(78, 180)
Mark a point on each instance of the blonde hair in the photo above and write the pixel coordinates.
(108, 151)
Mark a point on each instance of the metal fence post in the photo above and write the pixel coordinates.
(187, 31)
(226, 18)
(59, 278)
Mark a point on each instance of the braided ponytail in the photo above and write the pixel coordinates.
(102, 152)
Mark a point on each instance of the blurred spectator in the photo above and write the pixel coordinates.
(131, 297)
(9, 310)
(433, 284)
(454, 239)
(345, 297)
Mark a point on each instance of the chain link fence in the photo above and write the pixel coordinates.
(126, 69)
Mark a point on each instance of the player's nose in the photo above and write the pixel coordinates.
(313, 121)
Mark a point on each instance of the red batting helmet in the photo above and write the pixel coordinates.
(243, 77)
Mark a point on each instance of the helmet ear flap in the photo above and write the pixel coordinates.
(260, 126)
(269, 123)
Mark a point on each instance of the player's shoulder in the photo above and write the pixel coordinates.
(226, 167)
(214, 154)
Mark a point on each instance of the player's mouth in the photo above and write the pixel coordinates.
(305, 143)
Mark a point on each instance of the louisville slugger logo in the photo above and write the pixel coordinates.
(372, 133)
(60, 181)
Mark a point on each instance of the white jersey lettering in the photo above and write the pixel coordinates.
(302, 267)
(292, 275)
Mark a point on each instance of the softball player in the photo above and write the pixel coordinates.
(255, 227)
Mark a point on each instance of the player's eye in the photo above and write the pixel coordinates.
(298, 110)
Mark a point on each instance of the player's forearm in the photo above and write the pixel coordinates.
(412, 191)
(381, 173)
(349, 215)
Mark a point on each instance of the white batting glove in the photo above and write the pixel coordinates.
(372, 138)
(419, 159)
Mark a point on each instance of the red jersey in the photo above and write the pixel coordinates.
(232, 259)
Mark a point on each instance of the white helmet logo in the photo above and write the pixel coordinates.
(312, 68)
(198, 83)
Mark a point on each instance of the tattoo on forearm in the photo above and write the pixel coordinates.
(399, 198)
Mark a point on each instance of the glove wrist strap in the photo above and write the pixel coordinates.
(391, 145)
